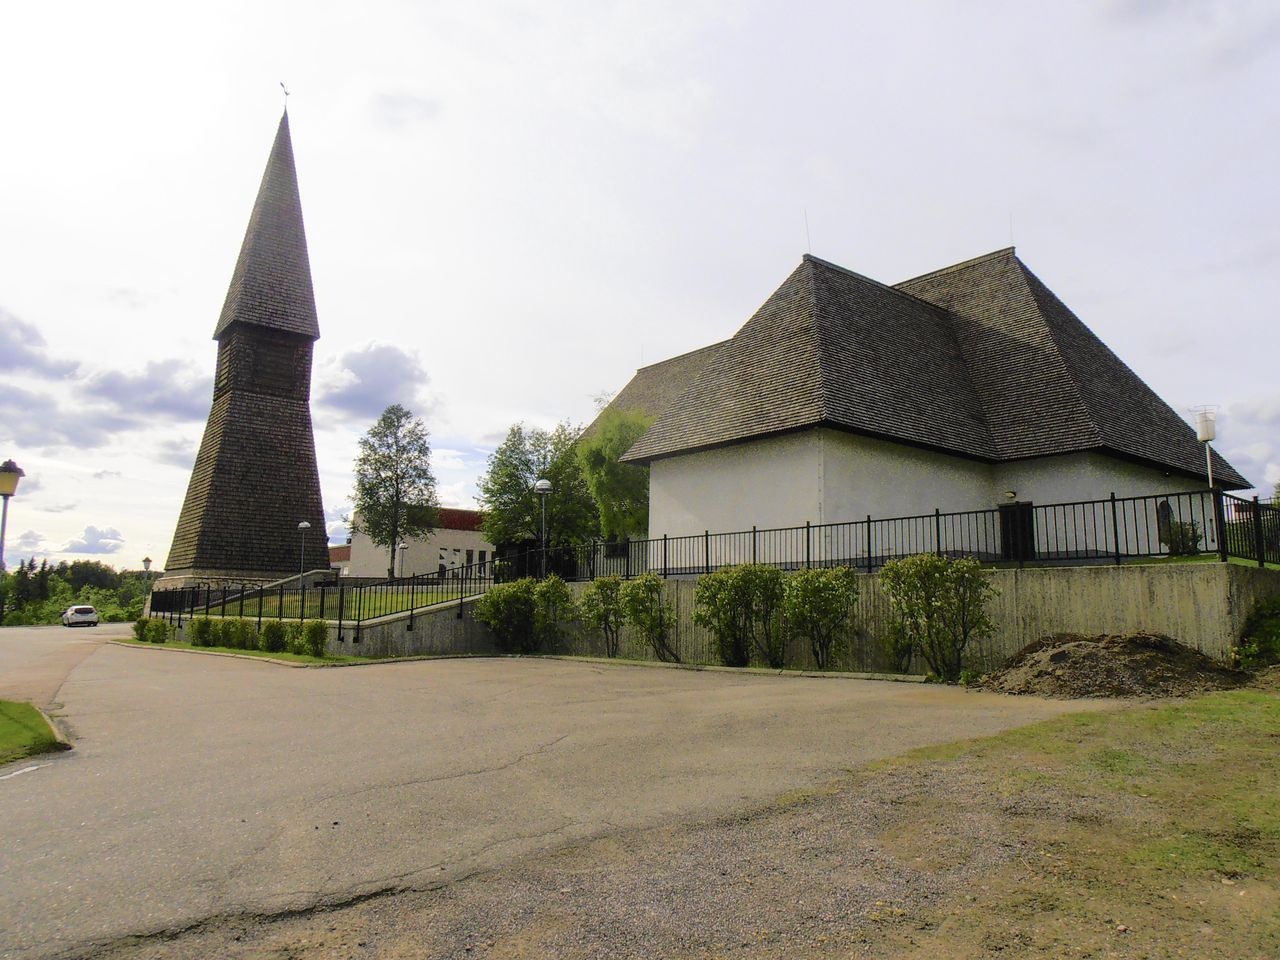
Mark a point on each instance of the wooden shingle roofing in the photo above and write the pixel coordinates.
(979, 359)
(271, 284)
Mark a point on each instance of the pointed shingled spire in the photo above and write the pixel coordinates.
(271, 285)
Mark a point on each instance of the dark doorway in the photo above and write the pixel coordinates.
(1017, 531)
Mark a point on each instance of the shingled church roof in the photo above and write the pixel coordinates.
(271, 285)
(979, 359)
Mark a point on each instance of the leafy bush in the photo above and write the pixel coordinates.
(508, 610)
(601, 607)
(1182, 538)
(158, 631)
(820, 605)
(200, 632)
(647, 609)
(272, 638)
(1260, 643)
(140, 630)
(315, 637)
(552, 606)
(899, 647)
(293, 637)
(241, 635)
(938, 606)
(741, 606)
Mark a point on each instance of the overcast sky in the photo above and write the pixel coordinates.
(511, 206)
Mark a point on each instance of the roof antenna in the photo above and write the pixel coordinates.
(807, 240)
(286, 96)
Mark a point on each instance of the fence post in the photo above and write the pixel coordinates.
(937, 531)
(341, 596)
(280, 604)
(664, 556)
(302, 599)
(753, 544)
(869, 568)
(706, 551)
(626, 559)
(241, 613)
(1259, 542)
(1220, 520)
(261, 591)
(322, 601)
(1115, 529)
(808, 553)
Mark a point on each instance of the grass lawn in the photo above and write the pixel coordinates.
(23, 732)
(1150, 832)
(295, 657)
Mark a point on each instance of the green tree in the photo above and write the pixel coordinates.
(620, 490)
(819, 605)
(938, 606)
(512, 511)
(395, 494)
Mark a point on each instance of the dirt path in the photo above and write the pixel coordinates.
(1148, 833)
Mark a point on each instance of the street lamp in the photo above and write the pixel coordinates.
(402, 548)
(303, 527)
(146, 566)
(1206, 433)
(10, 474)
(542, 488)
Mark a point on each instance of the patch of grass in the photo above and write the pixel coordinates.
(23, 732)
(1162, 818)
(283, 655)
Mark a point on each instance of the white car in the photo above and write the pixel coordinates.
(80, 617)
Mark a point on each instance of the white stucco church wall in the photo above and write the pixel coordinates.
(825, 476)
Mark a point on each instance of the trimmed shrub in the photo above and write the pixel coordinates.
(239, 634)
(508, 609)
(649, 612)
(140, 630)
(740, 605)
(293, 637)
(272, 638)
(158, 631)
(1260, 643)
(938, 606)
(601, 607)
(819, 606)
(200, 632)
(552, 606)
(315, 637)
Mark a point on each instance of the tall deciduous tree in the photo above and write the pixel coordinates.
(395, 493)
(620, 490)
(512, 511)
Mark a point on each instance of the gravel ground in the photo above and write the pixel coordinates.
(812, 875)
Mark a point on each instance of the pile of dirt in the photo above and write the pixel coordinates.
(1133, 665)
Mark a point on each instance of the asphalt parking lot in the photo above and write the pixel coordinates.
(205, 786)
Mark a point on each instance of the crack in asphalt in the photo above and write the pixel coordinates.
(442, 778)
(390, 886)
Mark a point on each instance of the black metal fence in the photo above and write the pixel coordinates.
(1084, 532)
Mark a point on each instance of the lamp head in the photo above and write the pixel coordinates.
(542, 487)
(304, 525)
(10, 474)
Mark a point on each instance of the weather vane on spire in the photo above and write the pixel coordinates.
(286, 95)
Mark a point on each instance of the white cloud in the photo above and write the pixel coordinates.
(96, 541)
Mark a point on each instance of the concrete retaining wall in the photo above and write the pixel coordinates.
(1204, 605)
